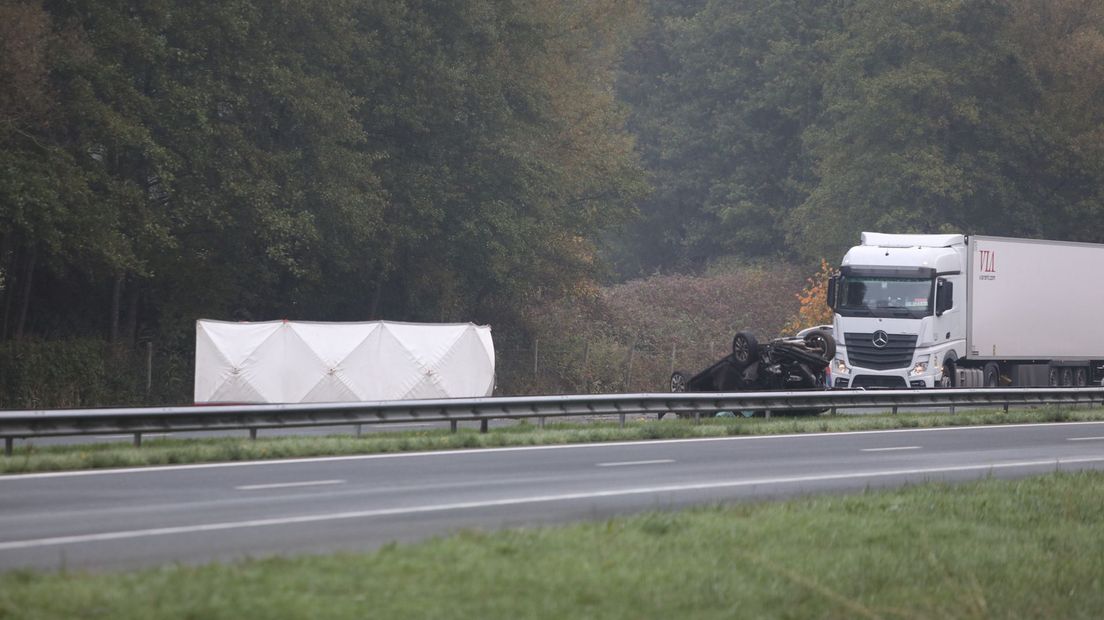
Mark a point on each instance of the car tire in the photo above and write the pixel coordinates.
(744, 348)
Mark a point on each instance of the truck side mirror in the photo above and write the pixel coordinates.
(832, 284)
(944, 296)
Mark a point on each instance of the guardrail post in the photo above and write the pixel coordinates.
(895, 410)
(833, 411)
(952, 409)
(452, 426)
(697, 417)
(359, 429)
(622, 417)
(253, 434)
(483, 426)
(540, 422)
(9, 445)
(768, 414)
(137, 440)
(1006, 407)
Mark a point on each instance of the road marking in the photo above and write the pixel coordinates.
(1084, 438)
(287, 485)
(514, 501)
(568, 446)
(628, 463)
(890, 449)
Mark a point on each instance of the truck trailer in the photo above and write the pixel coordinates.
(915, 311)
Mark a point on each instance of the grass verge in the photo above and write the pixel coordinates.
(990, 549)
(168, 451)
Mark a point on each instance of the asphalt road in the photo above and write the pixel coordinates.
(142, 517)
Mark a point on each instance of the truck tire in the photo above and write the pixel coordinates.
(948, 380)
(823, 342)
(992, 375)
(744, 348)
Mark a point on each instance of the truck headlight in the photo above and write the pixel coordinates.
(919, 369)
(841, 367)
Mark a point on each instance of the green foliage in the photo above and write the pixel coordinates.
(417, 160)
(89, 372)
(791, 125)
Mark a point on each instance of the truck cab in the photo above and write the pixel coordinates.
(899, 312)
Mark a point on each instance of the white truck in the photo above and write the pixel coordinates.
(913, 311)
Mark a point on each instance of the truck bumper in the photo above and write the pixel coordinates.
(887, 380)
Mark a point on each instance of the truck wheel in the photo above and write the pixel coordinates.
(744, 348)
(992, 375)
(821, 342)
(1080, 377)
(948, 380)
(1067, 377)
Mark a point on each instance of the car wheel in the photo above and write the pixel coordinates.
(744, 348)
(821, 342)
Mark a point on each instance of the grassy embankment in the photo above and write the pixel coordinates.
(170, 451)
(1031, 548)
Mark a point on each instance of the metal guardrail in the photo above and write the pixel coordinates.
(139, 420)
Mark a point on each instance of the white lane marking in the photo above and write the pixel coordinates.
(476, 451)
(890, 449)
(144, 436)
(1084, 438)
(628, 463)
(287, 485)
(514, 501)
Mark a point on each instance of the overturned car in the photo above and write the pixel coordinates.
(794, 363)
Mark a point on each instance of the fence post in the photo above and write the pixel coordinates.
(628, 374)
(149, 366)
(586, 362)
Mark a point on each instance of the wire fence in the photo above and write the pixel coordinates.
(92, 373)
(598, 366)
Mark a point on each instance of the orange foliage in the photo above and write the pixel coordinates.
(813, 298)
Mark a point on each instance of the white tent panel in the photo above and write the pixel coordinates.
(285, 361)
(461, 369)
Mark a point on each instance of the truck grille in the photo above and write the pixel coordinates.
(877, 381)
(897, 353)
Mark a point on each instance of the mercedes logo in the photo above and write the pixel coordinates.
(881, 339)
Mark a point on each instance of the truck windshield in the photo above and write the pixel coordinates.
(885, 296)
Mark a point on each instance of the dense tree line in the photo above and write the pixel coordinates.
(785, 127)
(445, 160)
(339, 160)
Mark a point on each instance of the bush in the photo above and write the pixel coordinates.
(628, 337)
(88, 372)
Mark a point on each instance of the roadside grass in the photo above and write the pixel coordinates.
(1030, 548)
(170, 451)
